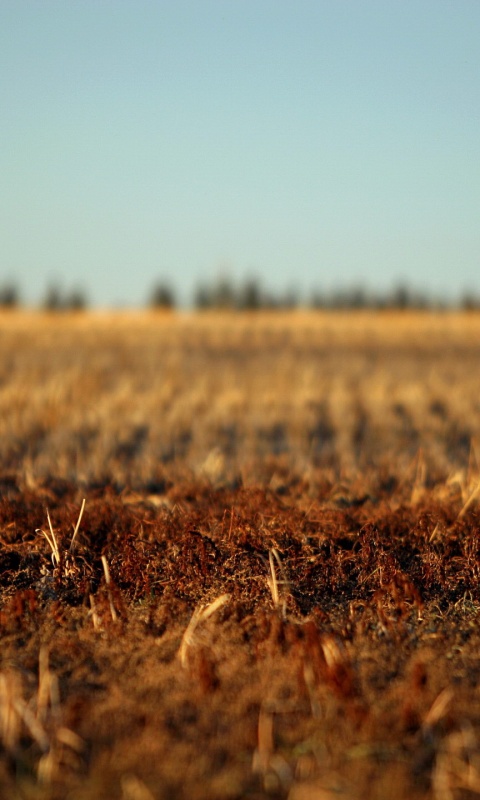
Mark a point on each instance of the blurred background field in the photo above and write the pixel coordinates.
(135, 397)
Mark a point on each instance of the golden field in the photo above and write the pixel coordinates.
(132, 395)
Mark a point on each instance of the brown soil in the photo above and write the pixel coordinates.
(283, 626)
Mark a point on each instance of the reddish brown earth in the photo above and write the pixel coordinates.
(358, 680)
(219, 633)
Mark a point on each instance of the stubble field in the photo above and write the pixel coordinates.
(272, 587)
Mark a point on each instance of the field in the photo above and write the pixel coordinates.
(239, 556)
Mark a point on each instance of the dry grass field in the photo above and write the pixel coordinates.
(272, 588)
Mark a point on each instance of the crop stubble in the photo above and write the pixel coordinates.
(273, 590)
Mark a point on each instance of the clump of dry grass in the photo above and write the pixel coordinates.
(61, 559)
(278, 588)
(56, 747)
(200, 615)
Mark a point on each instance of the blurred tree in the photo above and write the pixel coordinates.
(289, 300)
(75, 301)
(202, 298)
(224, 295)
(250, 297)
(9, 296)
(318, 299)
(470, 302)
(358, 298)
(53, 300)
(401, 297)
(162, 297)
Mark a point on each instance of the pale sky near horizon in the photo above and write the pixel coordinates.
(312, 144)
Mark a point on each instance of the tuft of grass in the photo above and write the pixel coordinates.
(52, 540)
(201, 614)
(278, 588)
(108, 582)
(38, 720)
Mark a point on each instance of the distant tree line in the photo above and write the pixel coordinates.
(224, 294)
(55, 299)
(227, 295)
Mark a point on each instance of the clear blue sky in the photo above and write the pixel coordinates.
(313, 143)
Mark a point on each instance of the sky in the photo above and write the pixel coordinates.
(313, 144)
